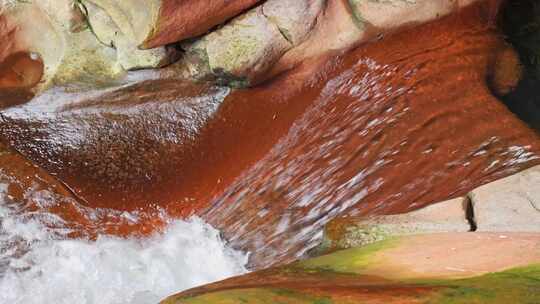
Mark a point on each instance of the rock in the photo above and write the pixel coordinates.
(129, 56)
(312, 30)
(294, 19)
(179, 20)
(19, 74)
(72, 49)
(374, 140)
(439, 268)
(507, 72)
(389, 15)
(336, 30)
(448, 216)
(242, 51)
(359, 134)
(509, 204)
(31, 189)
(341, 27)
(27, 28)
(155, 23)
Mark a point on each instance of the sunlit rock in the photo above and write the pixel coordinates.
(72, 49)
(439, 268)
(347, 232)
(154, 23)
(509, 204)
(243, 50)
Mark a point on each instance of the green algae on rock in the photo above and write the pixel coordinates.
(360, 275)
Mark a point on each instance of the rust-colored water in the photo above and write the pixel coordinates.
(389, 127)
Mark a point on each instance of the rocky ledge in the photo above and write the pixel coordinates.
(97, 41)
(483, 248)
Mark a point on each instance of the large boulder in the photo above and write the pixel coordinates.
(249, 49)
(509, 204)
(243, 50)
(154, 23)
(72, 49)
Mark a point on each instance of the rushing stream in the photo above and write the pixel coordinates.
(93, 186)
(39, 264)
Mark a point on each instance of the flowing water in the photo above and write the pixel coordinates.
(93, 197)
(40, 264)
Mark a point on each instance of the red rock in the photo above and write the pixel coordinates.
(386, 128)
(182, 19)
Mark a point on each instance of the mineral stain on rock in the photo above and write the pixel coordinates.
(389, 127)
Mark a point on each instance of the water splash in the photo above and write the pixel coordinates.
(39, 265)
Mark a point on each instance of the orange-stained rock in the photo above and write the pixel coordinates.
(72, 51)
(387, 128)
(245, 50)
(396, 125)
(29, 192)
(182, 19)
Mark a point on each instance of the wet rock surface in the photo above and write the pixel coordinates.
(366, 120)
(376, 131)
(395, 272)
(368, 146)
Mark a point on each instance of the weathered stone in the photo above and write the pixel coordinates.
(391, 14)
(448, 216)
(242, 50)
(179, 20)
(509, 204)
(51, 30)
(335, 30)
(76, 41)
(154, 23)
(294, 18)
(312, 30)
(414, 269)
(129, 56)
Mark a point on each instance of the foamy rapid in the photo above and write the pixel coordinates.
(37, 265)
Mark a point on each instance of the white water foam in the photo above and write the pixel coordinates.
(36, 266)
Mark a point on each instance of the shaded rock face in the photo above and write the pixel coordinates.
(390, 127)
(520, 21)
